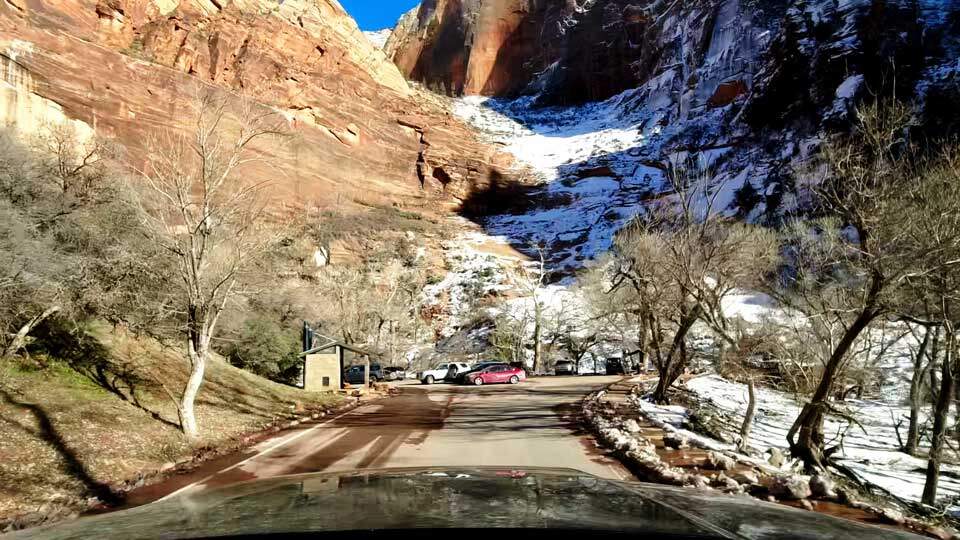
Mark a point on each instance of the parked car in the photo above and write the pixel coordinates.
(446, 371)
(462, 378)
(354, 374)
(394, 374)
(497, 374)
(565, 367)
(616, 366)
(520, 365)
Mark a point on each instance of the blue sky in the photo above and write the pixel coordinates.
(377, 14)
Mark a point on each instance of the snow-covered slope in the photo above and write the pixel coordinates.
(869, 449)
(379, 37)
(581, 201)
(743, 90)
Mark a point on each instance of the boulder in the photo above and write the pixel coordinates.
(725, 483)
(893, 516)
(789, 487)
(675, 441)
(631, 426)
(746, 477)
(776, 457)
(720, 462)
(697, 481)
(822, 486)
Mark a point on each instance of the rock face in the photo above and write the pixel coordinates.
(786, 57)
(488, 47)
(748, 89)
(789, 487)
(569, 51)
(125, 68)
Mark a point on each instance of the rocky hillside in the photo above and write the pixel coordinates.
(711, 51)
(747, 88)
(124, 68)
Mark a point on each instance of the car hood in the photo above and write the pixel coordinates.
(446, 498)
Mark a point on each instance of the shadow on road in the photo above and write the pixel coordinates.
(408, 419)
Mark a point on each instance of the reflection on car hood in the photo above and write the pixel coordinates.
(459, 498)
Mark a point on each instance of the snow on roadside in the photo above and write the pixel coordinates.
(871, 452)
(671, 419)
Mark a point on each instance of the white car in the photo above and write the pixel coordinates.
(440, 372)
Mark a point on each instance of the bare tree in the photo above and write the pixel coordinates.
(60, 202)
(208, 219)
(934, 230)
(664, 314)
(681, 261)
(866, 260)
(577, 346)
(343, 312)
(532, 279)
(509, 338)
(922, 364)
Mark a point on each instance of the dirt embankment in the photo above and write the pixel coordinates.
(80, 430)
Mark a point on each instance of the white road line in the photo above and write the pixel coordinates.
(279, 444)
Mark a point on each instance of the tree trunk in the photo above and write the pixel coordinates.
(806, 435)
(19, 340)
(913, 430)
(940, 414)
(536, 338)
(198, 346)
(642, 331)
(676, 360)
(748, 417)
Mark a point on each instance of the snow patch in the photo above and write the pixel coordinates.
(379, 37)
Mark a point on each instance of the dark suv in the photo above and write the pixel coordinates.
(565, 367)
(616, 366)
(354, 374)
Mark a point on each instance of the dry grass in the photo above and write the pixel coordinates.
(92, 423)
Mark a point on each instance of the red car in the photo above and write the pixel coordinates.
(497, 374)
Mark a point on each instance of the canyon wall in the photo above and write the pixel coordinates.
(488, 47)
(582, 49)
(129, 68)
(575, 51)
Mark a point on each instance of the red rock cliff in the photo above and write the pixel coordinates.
(127, 67)
(502, 47)
(487, 47)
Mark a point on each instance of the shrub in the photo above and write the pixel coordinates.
(267, 349)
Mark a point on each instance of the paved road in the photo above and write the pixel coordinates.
(426, 426)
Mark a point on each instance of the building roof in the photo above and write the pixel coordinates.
(329, 343)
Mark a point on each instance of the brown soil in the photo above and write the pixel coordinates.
(86, 428)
